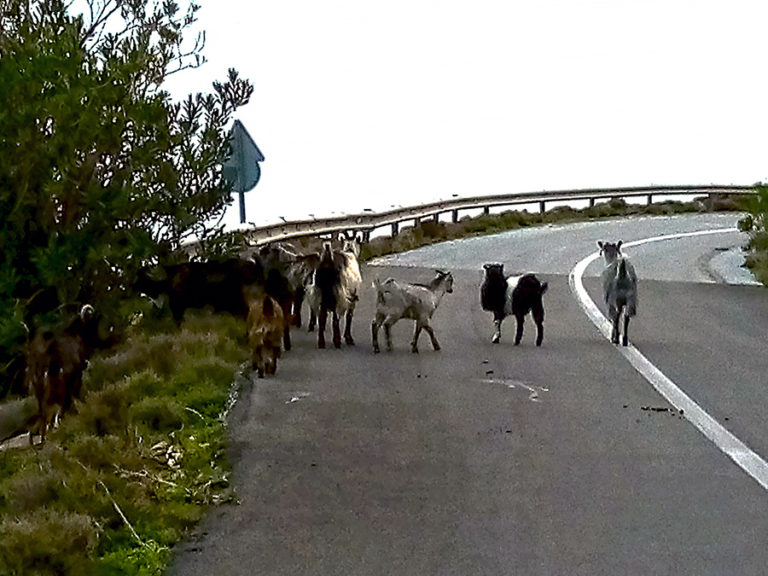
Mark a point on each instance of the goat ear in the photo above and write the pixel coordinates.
(618, 245)
(544, 286)
(600, 245)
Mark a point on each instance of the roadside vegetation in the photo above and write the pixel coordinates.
(755, 223)
(101, 174)
(121, 481)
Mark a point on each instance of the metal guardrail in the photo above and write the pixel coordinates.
(369, 221)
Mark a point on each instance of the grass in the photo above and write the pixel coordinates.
(757, 260)
(126, 477)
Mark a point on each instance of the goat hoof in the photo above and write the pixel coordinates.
(495, 339)
(376, 350)
(415, 350)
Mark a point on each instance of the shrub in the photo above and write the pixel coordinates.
(47, 541)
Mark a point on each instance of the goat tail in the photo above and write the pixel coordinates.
(268, 308)
(327, 253)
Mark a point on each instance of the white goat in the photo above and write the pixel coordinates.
(619, 288)
(396, 300)
(334, 288)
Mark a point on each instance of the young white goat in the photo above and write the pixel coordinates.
(396, 300)
(619, 288)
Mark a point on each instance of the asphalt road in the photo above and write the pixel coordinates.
(495, 459)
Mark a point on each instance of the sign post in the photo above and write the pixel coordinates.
(242, 169)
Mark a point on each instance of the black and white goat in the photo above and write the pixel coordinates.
(513, 296)
(619, 288)
(396, 300)
(334, 288)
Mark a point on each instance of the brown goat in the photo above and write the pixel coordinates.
(266, 323)
(55, 364)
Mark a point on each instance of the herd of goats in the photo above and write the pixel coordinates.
(268, 291)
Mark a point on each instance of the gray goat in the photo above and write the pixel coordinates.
(396, 300)
(619, 288)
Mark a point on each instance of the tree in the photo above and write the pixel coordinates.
(100, 171)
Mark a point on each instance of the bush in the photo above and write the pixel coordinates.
(47, 541)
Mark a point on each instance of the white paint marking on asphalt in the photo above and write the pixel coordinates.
(729, 444)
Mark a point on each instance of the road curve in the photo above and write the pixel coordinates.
(495, 459)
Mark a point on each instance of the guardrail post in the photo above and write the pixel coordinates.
(542, 207)
(650, 199)
(395, 229)
(454, 216)
(486, 210)
(591, 202)
(366, 236)
(437, 218)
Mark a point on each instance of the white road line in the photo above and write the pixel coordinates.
(734, 448)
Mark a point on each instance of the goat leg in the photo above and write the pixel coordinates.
(336, 330)
(416, 334)
(312, 321)
(538, 318)
(348, 329)
(497, 333)
(321, 327)
(615, 321)
(375, 336)
(625, 339)
(298, 300)
(431, 332)
(388, 335)
(519, 331)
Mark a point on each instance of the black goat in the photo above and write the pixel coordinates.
(218, 285)
(55, 362)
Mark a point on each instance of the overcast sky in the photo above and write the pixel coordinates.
(361, 104)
